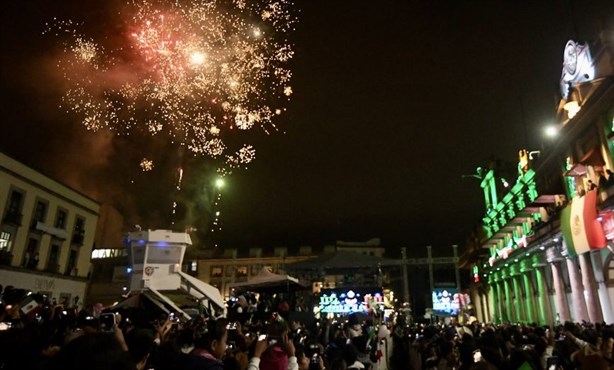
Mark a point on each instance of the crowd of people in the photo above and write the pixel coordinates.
(53, 336)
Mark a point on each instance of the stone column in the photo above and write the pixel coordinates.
(492, 299)
(509, 307)
(560, 295)
(604, 297)
(590, 288)
(476, 301)
(525, 270)
(504, 317)
(518, 296)
(577, 290)
(500, 315)
(543, 301)
(486, 306)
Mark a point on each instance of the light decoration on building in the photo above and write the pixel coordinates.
(516, 200)
(578, 66)
(500, 211)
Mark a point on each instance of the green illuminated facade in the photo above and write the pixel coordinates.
(539, 255)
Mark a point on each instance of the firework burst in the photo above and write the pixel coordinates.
(146, 165)
(195, 69)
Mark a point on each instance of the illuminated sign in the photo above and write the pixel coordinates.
(347, 302)
(446, 302)
(577, 66)
(108, 253)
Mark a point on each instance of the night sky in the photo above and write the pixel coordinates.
(393, 102)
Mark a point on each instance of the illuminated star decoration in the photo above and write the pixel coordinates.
(195, 69)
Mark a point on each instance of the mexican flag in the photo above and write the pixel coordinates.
(581, 230)
(29, 306)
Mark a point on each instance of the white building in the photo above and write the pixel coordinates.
(46, 233)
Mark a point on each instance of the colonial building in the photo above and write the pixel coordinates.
(226, 266)
(223, 267)
(46, 233)
(544, 252)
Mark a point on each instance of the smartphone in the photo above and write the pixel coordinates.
(231, 326)
(315, 358)
(315, 349)
(107, 321)
(477, 356)
(231, 346)
(261, 337)
(552, 363)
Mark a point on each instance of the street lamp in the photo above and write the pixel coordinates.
(219, 183)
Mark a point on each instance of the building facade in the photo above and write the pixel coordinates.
(544, 251)
(223, 267)
(46, 233)
(220, 268)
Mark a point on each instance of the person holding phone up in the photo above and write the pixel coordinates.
(275, 351)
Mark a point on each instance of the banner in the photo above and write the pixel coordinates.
(581, 230)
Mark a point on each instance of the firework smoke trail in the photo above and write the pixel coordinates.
(178, 188)
(195, 69)
(179, 178)
(217, 226)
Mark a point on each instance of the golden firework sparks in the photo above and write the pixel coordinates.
(196, 69)
(146, 165)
